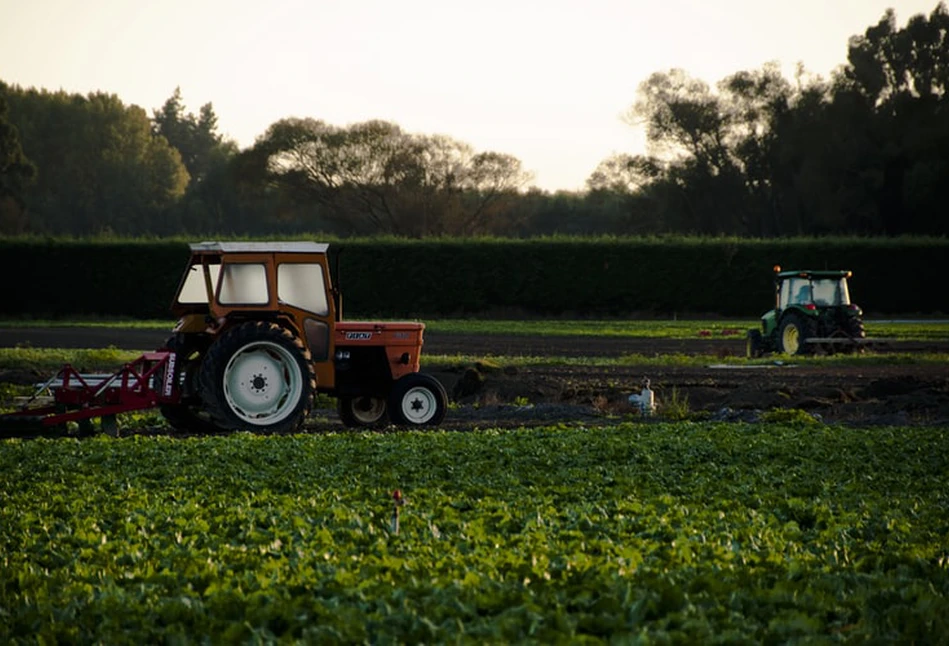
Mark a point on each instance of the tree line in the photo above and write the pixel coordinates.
(758, 155)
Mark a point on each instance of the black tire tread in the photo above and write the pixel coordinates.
(806, 328)
(408, 382)
(754, 345)
(856, 329)
(344, 407)
(185, 417)
(217, 357)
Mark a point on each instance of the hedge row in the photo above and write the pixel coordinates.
(569, 277)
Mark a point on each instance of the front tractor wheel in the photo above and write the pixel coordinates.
(792, 334)
(363, 411)
(754, 345)
(418, 400)
(258, 376)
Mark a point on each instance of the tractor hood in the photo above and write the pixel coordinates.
(379, 333)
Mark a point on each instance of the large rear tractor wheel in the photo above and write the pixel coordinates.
(793, 332)
(187, 416)
(418, 400)
(363, 411)
(259, 377)
(855, 328)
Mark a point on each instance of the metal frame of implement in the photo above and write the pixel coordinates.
(146, 382)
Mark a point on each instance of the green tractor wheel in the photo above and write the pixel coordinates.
(855, 328)
(754, 345)
(793, 332)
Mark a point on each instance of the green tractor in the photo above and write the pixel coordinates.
(812, 313)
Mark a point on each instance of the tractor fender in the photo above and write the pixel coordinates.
(769, 323)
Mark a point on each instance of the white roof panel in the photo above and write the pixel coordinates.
(261, 247)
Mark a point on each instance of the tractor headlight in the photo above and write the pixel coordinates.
(342, 355)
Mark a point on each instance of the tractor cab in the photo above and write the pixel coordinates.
(226, 280)
(812, 289)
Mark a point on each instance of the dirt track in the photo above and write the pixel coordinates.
(865, 393)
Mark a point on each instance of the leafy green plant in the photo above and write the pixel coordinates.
(789, 416)
(9, 394)
(322, 400)
(660, 532)
(675, 407)
(52, 359)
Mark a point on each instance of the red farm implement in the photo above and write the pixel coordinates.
(69, 396)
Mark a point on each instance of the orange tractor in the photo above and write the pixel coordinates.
(259, 334)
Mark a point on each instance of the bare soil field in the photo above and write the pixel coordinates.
(865, 393)
(485, 396)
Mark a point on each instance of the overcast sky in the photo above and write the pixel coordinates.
(543, 80)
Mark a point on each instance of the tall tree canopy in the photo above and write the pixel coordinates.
(100, 168)
(201, 146)
(895, 86)
(211, 202)
(693, 134)
(16, 173)
(866, 152)
(372, 177)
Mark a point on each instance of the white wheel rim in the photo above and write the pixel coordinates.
(419, 405)
(791, 339)
(263, 383)
(367, 410)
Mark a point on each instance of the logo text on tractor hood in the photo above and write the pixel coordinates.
(170, 375)
(358, 336)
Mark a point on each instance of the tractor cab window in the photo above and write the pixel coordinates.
(794, 291)
(802, 292)
(243, 284)
(823, 292)
(831, 291)
(193, 290)
(301, 285)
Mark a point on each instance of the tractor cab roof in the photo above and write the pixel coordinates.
(813, 273)
(258, 247)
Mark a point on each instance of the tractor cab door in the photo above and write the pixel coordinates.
(196, 288)
(795, 291)
(303, 292)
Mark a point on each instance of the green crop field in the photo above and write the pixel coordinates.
(636, 533)
(669, 329)
(49, 360)
(909, 330)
